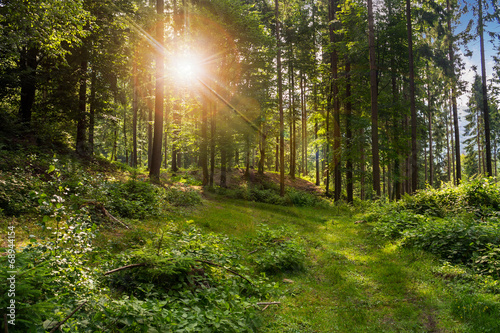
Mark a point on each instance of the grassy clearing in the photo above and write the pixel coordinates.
(352, 282)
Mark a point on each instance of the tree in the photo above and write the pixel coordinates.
(154, 172)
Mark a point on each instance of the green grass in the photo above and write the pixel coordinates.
(353, 282)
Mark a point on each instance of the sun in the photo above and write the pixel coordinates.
(186, 67)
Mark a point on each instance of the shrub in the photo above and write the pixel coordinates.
(279, 250)
(181, 197)
(133, 199)
(456, 240)
(393, 224)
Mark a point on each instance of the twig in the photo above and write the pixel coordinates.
(227, 269)
(124, 267)
(69, 316)
(254, 251)
(197, 260)
(264, 309)
(267, 303)
(105, 212)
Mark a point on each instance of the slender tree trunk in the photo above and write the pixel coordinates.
(280, 104)
(348, 108)
(125, 146)
(28, 65)
(452, 115)
(150, 127)
(317, 153)
(486, 111)
(204, 141)
(213, 128)
(431, 157)
(277, 154)
(81, 124)
(93, 88)
(451, 57)
(154, 172)
(413, 108)
(293, 141)
(262, 150)
(448, 156)
(362, 193)
(336, 106)
(374, 100)
(135, 109)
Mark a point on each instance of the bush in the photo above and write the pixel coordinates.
(133, 199)
(181, 197)
(393, 224)
(279, 250)
(456, 240)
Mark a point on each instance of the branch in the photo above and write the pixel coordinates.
(197, 260)
(267, 303)
(124, 267)
(69, 316)
(105, 212)
(227, 269)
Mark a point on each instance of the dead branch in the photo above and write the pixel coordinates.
(69, 316)
(197, 260)
(101, 207)
(227, 269)
(267, 303)
(123, 268)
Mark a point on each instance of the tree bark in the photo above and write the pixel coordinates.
(81, 124)
(336, 105)
(413, 108)
(28, 65)
(451, 56)
(154, 172)
(486, 112)
(374, 101)
(280, 104)
(348, 126)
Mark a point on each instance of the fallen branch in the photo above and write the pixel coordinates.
(124, 267)
(69, 316)
(105, 212)
(197, 260)
(227, 269)
(267, 303)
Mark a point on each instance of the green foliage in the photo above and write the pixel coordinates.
(181, 197)
(176, 291)
(279, 250)
(458, 224)
(393, 224)
(133, 199)
(453, 239)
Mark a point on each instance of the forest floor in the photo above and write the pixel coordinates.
(352, 282)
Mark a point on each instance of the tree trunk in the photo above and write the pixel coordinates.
(336, 106)
(213, 128)
(293, 141)
(204, 141)
(154, 172)
(348, 109)
(486, 112)
(374, 101)
(28, 77)
(451, 56)
(93, 88)
(262, 150)
(81, 124)
(413, 108)
(280, 104)
(135, 109)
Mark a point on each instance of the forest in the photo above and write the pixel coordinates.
(249, 166)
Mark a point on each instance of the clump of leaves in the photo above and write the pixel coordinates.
(279, 250)
(187, 281)
(133, 199)
(181, 196)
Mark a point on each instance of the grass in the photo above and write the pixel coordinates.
(353, 282)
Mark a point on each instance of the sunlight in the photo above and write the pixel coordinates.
(186, 67)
